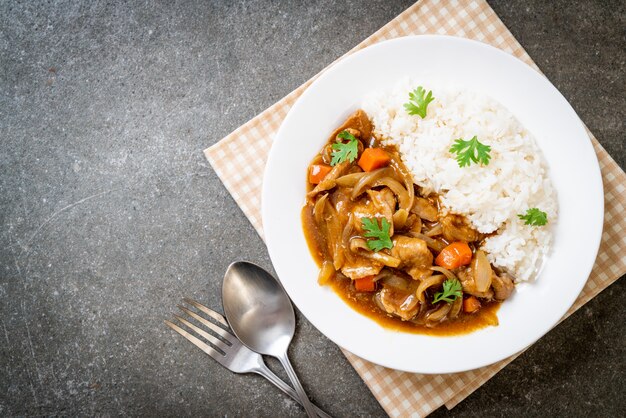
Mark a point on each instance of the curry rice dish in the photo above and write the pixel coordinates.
(413, 255)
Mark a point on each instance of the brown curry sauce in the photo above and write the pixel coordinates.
(363, 302)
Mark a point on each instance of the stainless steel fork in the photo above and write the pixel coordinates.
(228, 351)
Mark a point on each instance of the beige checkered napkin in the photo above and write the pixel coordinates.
(238, 158)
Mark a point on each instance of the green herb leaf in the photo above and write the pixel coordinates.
(383, 240)
(345, 151)
(534, 217)
(452, 289)
(418, 102)
(470, 151)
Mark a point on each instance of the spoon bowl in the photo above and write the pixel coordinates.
(258, 308)
(261, 316)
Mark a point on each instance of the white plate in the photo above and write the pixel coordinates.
(538, 105)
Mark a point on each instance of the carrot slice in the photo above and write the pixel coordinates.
(366, 284)
(471, 305)
(454, 255)
(317, 172)
(373, 158)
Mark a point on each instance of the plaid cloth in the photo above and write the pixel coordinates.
(400, 393)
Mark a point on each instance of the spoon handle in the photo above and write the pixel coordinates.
(264, 371)
(308, 406)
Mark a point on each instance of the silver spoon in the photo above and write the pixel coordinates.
(261, 316)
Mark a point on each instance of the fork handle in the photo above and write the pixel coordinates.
(264, 371)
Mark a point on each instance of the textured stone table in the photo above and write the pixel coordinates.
(109, 213)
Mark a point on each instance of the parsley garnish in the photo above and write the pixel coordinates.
(418, 103)
(383, 240)
(345, 151)
(534, 217)
(451, 290)
(470, 151)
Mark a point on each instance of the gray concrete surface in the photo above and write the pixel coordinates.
(109, 213)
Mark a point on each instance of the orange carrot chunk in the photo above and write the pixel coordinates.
(373, 158)
(454, 255)
(471, 305)
(317, 172)
(366, 284)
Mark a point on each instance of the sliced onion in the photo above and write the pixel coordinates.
(482, 271)
(445, 271)
(435, 230)
(334, 233)
(329, 181)
(326, 273)
(415, 222)
(399, 219)
(439, 314)
(327, 154)
(434, 280)
(349, 180)
(379, 302)
(383, 258)
(404, 199)
(456, 308)
(368, 179)
(431, 243)
(318, 209)
(346, 235)
(357, 244)
(384, 273)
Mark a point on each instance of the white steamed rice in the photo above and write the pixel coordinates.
(491, 196)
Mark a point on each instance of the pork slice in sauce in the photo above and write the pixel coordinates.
(359, 121)
(398, 302)
(414, 254)
(424, 209)
(342, 203)
(360, 267)
(379, 204)
(455, 228)
(503, 286)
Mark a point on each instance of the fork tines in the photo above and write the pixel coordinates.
(219, 340)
